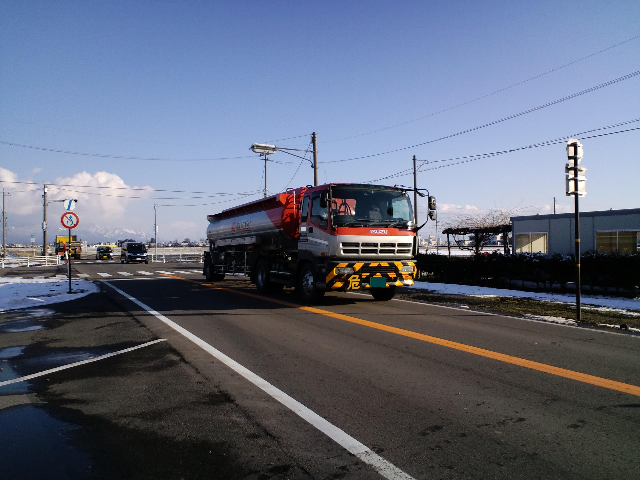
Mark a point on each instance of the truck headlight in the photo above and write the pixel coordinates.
(406, 269)
(344, 270)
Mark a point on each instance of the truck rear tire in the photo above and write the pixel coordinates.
(209, 274)
(261, 276)
(383, 294)
(307, 289)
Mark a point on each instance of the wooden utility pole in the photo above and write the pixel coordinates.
(314, 141)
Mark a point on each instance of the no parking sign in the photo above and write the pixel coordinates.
(69, 220)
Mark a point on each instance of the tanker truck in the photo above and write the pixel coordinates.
(334, 237)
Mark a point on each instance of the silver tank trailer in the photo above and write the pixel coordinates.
(248, 224)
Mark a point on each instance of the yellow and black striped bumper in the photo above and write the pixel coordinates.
(365, 275)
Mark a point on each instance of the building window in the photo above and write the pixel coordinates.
(617, 242)
(531, 242)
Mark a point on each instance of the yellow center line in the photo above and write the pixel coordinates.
(521, 362)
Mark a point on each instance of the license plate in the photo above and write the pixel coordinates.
(377, 282)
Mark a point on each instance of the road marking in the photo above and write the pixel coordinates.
(104, 274)
(521, 362)
(126, 274)
(165, 272)
(184, 271)
(76, 364)
(84, 275)
(364, 453)
(142, 272)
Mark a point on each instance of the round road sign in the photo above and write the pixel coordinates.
(70, 220)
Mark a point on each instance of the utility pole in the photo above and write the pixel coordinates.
(155, 228)
(265, 173)
(314, 141)
(4, 227)
(554, 205)
(45, 251)
(415, 202)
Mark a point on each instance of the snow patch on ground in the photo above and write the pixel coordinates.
(547, 318)
(18, 293)
(621, 305)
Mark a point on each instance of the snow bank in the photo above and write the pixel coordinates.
(34, 292)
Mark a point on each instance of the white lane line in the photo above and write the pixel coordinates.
(164, 271)
(142, 272)
(76, 364)
(84, 275)
(364, 453)
(186, 272)
(126, 274)
(104, 274)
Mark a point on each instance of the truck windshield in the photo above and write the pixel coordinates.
(136, 248)
(370, 205)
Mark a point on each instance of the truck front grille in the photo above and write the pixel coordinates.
(370, 248)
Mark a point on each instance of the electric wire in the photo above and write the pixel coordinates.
(504, 119)
(299, 165)
(121, 157)
(120, 188)
(486, 95)
(579, 134)
(63, 189)
(471, 158)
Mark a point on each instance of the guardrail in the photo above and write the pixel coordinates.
(30, 261)
(177, 257)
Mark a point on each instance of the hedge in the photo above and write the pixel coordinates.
(602, 272)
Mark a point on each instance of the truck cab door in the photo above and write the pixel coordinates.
(318, 225)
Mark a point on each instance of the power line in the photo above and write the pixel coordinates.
(146, 198)
(288, 138)
(121, 157)
(121, 188)
(504, 119)
(471, 158)
(299, 165)
(206, 204)
(533, 146)
(486, 95)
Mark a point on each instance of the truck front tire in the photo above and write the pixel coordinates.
(307, 289)
(383, 294)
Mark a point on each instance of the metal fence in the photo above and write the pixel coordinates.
(36, 261)
(176, 257)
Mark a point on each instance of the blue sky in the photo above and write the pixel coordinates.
(205, 80)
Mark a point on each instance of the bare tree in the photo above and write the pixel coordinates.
(481, 228)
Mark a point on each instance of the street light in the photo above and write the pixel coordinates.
(264, 149)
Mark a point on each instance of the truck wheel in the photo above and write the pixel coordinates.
(307, 289)
(383, 294)
(261, 276)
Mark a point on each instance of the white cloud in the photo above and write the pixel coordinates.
(103, 208)
(450, 207)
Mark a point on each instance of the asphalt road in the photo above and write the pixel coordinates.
(436, 392)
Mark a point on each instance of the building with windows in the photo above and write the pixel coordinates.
(609, 231)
